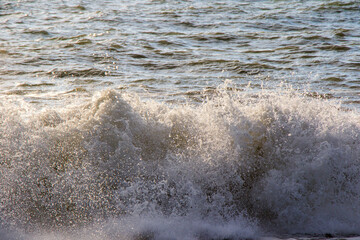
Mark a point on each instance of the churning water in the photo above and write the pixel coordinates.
(170, 119)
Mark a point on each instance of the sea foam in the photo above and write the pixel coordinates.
(238, 165)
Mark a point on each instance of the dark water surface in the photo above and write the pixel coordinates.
(177, 48)
(179, 119)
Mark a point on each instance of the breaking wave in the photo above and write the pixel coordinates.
(239, 165)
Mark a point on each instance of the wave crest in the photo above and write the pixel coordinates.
(273, 160)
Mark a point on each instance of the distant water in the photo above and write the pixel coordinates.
(170, 119)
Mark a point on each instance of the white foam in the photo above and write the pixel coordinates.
(239, 165)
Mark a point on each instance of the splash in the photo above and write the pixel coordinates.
(239, 165)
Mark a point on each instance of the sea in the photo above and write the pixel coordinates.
(179, 119)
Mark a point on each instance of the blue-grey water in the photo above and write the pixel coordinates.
(164, 119)
(177, 48)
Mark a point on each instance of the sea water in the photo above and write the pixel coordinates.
(164, 119)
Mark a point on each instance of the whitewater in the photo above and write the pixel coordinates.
(239, 165)
(172, 120)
